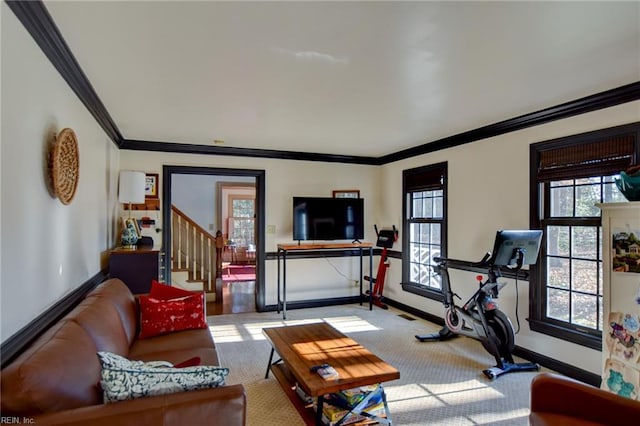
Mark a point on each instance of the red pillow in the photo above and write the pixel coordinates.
(164, 292)
(166, 316)
(191, 362)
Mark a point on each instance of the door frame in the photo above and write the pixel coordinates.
(168, 171)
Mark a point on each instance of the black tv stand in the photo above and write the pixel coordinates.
(283, 249)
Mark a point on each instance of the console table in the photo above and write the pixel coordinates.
(283, 249)
(136, 267)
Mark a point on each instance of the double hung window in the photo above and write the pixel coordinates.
(569, 177)
(425, 213)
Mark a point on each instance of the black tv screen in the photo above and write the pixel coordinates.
(319, 218)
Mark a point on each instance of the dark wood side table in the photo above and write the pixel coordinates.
(135, 267)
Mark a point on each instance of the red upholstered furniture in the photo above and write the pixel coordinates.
(56, 380)
(557, 400)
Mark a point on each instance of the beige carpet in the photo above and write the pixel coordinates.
(441, 383)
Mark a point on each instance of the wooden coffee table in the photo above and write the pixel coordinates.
(301, 347)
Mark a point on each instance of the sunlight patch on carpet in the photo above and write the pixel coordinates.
(493, 416)
(350, 324)
(229, 333)
(225, 333)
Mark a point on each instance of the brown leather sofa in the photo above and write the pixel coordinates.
(56, 380)
(557, 400)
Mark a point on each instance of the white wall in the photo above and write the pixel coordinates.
(306, 279)
(489, 190)
(48, 249)
(195, 195)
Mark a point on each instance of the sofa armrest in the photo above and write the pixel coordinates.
(555, 396)
(225, 405)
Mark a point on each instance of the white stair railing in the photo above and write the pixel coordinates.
(188, 247)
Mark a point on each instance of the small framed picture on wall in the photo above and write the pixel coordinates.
(151, 185)
(346, 193)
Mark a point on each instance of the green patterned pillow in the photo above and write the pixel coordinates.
(123, 379)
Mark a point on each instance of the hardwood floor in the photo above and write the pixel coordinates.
(233, 297)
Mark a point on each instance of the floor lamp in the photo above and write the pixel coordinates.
(131, 190)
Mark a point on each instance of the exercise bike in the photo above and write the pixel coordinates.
(480, 318)
(386, 239)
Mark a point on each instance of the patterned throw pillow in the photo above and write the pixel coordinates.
(165, 316)
(123, 379)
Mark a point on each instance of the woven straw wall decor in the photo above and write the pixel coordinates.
(64, 163)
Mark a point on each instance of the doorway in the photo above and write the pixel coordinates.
(216, 199)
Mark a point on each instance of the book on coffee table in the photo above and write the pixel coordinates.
(328, 373)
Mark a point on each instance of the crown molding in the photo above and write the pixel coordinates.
(244, 152)
(606, 99)
(36, 19)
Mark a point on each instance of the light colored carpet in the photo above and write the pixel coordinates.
(441, 383)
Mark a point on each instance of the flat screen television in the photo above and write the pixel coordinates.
(516, 246)
(320, 218)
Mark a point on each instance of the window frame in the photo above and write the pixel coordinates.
(540, 216)
(410, 184)
(231, 218)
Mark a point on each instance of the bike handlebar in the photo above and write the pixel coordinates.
(481, 263)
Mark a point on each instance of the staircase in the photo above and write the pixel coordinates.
(193, 255)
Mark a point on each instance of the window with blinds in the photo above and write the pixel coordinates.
(569, 177)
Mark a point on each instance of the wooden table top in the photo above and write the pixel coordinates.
(303, 346)
(323, 246)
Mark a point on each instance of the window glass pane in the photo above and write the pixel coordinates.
(414, 232)
(611, 194)
(568, 182)
(558, 304)
(558, 240)
(242, 208)
(584, 276)
(417, 207)
(414, 273)
(588, 180)
(586, 199)
(427, 207)
(435, 233)
(584, 310)
(562, 202)
(437, 208)
(558, 272)
(584, 242)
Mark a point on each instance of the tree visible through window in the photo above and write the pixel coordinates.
(242, 221)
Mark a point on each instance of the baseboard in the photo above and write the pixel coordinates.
(316, 303)
(545, 361)
(18, 342)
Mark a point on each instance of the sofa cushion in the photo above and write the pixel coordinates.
(181, 340)
(123, 379)
(167, 316)
(116, 293)
(61, 371)
(103, 323)
(208, 356)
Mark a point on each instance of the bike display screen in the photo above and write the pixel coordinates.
(510, 243)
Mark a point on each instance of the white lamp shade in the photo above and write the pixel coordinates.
(131, 187)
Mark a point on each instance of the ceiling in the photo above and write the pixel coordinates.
(342, 78)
